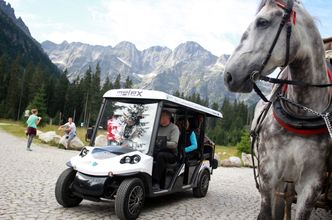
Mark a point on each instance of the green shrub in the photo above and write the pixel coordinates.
(245, 144)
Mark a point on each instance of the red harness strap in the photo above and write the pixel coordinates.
(305, 132)
(283, 6)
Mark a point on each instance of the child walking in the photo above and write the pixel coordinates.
(32, 122)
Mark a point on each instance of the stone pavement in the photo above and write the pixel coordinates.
(27, 181)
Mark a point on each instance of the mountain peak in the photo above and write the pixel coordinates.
(190, 46)
(157, 49)
(191, 51)
(64, 42)
(9, 11)
(125, 45)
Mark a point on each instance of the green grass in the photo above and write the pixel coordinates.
(225, 152)
(14, 127)
(18, 128)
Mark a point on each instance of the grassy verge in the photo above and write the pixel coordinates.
(14, 127)
(17, 129)
(225, 152)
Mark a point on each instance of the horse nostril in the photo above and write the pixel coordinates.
(229, 78)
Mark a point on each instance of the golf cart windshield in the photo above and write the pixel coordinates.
(127, 125)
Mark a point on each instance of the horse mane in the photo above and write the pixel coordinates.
(263, 3)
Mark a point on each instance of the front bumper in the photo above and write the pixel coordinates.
(87, 185)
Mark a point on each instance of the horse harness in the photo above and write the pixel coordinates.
(317, 124)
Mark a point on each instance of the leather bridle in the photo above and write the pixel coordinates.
(257, 74)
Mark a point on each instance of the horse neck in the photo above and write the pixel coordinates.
(311, 70)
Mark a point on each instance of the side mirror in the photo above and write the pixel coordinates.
(214, 164)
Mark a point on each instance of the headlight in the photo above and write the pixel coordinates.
(131, 159)
(136, 159)
(127, 159)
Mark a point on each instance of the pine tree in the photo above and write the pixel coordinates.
(27, 78)
(75, 100)
(96, 96)
(212, 122)
(39, 102)
(85, 88)
(14, 85)
(117, 82)
(106, 86)
(128, 83)
(177, 93)
(58, 102)
(37, 79)
(4, 81)
(245, 144)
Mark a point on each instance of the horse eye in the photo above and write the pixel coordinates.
(262, 23)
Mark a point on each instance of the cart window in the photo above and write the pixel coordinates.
(127, 125)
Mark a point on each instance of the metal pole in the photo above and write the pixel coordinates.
(60, 119)
(94, 133)
(74, 114)
(85, 108)
(87, 124)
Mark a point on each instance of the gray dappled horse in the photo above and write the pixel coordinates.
(285, 156)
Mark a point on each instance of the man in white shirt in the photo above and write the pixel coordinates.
(70, 130)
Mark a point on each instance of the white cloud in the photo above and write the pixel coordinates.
(15, 3)
(168, 23)
(215, 24)
(76, 36)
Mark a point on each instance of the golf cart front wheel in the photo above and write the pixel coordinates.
(63, 193)
(202, 184)
(130, 198)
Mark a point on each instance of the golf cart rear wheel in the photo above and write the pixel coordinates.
(129, 199)
(202, 184)
(63, 193)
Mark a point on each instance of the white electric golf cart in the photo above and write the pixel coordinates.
(118, 165)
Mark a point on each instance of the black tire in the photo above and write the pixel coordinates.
(130, 198)
(202, 185)
(63, 193)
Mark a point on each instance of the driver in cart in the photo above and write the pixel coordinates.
(168, 154)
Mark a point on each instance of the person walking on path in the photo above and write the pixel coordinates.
(32, 123)
(70, 130)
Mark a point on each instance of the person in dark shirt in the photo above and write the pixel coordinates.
(190, 143)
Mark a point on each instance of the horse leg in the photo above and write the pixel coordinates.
(308, 192)
(266, 198)
(265, 212)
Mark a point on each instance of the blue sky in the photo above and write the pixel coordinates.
(215, 24)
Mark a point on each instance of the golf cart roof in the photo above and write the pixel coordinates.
(142, 94)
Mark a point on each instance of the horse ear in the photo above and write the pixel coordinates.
(265, 2)
(272, 2)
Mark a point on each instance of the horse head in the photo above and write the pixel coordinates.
(266, 37)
